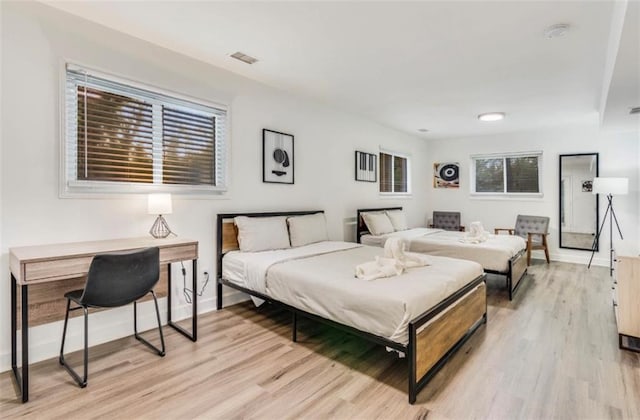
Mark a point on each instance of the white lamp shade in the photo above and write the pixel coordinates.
(614, 186)
(159, 204)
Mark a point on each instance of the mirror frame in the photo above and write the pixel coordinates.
(597, 242)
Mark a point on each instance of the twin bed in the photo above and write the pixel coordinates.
(499, 254)
(427, 313)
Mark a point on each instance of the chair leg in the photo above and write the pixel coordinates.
(82, 382)
(161, 352)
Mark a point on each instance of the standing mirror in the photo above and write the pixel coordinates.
(578, 205)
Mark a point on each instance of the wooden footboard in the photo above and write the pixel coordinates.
(517, 270)
(434, 337)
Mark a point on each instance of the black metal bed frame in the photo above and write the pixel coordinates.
(361, 229)
(415, 384)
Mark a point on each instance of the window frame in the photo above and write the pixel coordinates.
(393, 154)
(504, 194)
(71, 187)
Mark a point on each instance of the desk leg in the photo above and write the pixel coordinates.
(21, 380)
(193, 336)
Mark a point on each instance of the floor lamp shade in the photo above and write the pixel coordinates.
(613, 186)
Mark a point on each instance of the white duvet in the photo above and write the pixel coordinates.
(493, 254)
(320, 279)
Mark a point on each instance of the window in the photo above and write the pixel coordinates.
(516, 173)
(124, 137)
(394, 174)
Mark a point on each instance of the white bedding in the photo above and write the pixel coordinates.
(493, 254)
(322, 281)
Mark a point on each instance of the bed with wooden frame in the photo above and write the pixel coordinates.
(516, 265)
(433, 336)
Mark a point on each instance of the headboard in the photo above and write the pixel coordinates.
(227, 233)
(361, 227)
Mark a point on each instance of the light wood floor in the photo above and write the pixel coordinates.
(550, 353)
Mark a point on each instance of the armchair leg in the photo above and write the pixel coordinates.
(82, 382)
(161, 352)
(546, 248)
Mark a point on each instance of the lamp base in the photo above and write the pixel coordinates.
(160, 228)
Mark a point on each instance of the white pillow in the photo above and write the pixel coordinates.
(398, 220)
(378, 223)
(307, 229)
(262, 233)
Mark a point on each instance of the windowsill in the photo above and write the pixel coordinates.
(77, 189)
(507, 197)
(398, 196)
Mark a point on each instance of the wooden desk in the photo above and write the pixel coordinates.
(52, 270)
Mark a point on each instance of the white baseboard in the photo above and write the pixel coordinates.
(104, 326)
(579, 259)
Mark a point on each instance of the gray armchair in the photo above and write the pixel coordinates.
(534, 229)
(447, 220)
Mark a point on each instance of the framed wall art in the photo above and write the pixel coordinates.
(366, 167)
(277, 157)
(446, 175)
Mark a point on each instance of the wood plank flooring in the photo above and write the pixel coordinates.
(550, 353)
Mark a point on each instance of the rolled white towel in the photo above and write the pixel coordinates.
(476, 234)
(380, 268)
(395, 248)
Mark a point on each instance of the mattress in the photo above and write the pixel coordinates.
(493, 254)
(322, 281)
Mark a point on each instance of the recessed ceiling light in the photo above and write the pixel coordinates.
(244, 57)
(557, 30)
(634, 110)
(491, 116)
(422, 130)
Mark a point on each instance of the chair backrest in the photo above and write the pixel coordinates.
(120, 278)
(533, 224)
(447, 220)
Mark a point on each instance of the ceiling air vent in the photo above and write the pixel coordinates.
(244, 57)
(634, 110)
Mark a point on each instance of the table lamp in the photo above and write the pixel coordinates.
(159, 204)
(610, 187)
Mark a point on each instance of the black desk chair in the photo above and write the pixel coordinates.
(115, 280)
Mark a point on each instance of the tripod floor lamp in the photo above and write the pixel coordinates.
(610, 187)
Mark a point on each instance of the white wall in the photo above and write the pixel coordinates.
(35, 42)
(618, 157)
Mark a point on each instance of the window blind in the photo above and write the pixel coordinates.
(115, 137)
(394, 173)
(385, 173)
(118, 132)
(517, 173)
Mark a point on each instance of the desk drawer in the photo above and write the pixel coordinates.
(56, 269)
(178, 253)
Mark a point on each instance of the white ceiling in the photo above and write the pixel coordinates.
(408, 65)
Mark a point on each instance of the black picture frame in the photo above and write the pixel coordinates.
(277, 157)
(366, 167)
